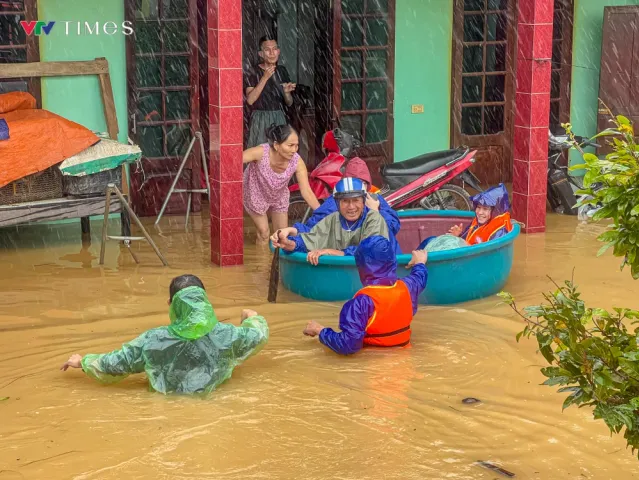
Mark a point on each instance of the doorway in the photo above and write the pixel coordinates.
(343, 70)
(163, 101)
(619, 83)
(483, 84)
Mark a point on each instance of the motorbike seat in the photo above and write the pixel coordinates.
(422, 164)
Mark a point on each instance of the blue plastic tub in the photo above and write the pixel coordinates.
(454, 276)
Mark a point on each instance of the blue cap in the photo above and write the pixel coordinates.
(349, 188)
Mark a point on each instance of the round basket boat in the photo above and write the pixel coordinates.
(454, 276)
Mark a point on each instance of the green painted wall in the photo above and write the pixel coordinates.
(586, 62)
(423, 48)
(78, 98)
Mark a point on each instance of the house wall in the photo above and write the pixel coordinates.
(586, 59)
(423, 49)
(78, 98)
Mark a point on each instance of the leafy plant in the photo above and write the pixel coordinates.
(614, 183)
(593, 354)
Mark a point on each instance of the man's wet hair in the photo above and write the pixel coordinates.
(182, 282)
(266, 38)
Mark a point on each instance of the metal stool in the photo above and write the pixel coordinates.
(111, 188)
(172, 190)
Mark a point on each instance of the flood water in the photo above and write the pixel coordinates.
(295, 410)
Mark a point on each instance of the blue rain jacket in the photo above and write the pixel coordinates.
(377, 265)
(330, 206)
(497, 199)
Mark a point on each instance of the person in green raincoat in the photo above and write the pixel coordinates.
(194, 354)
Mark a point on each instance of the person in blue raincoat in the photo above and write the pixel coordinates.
(194, 354)
(380, 314)
(492, 218)
(357, 168)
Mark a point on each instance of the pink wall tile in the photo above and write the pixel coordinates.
(212, 13)
(544, 11)
(538, 144)
(540, 109)
(214, 86)
(536, 211)
(524, 75)
(214, 127)
(215, 233)
(215, 167)
(522, 109)
(232, 236)
(540, 76)
(232, 206)
(525, 40)
(215, 201)
(231, 125)
(231, 88)
(520, 207)
(232, 260)
(526, 11)
(542, 46)
(231, 163)
(520, 177)
(230, 14)
(213, 53)
(230, 48)
(521, 141)
(536, 11)
(537, 178)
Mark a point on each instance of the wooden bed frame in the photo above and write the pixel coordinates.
(68, 207)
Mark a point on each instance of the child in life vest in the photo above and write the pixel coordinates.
(379, 314)
(492, 218)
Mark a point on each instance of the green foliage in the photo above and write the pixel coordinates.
(618, 174)
(593, 355)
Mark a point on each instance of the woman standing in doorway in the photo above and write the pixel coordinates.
(266, 178)
(268, 88)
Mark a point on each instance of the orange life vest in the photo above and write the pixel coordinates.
(373, 189)
(389, 326)
(483, 233)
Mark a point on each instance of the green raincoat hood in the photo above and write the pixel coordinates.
(192, 315)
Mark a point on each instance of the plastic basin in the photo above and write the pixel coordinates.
(454, 276)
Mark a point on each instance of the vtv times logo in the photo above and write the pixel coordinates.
(80, 28)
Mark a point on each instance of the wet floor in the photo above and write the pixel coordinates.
(296, 410)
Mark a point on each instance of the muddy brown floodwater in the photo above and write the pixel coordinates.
(296, 410)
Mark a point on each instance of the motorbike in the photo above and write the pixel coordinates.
(562, 186)
(421, 182)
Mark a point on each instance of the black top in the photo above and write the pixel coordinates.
(272, 97)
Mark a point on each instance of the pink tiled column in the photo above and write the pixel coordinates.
(534, 33)
(225, 129)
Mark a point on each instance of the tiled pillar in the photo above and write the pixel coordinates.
(534, 33)
(225, 130)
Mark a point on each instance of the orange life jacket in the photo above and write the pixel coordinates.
(373, 189)
(483, 233)
(389, 326)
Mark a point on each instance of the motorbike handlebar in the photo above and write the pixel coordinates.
(586, 142)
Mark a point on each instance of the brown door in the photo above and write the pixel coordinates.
(619, 77)
(484, 41)
(162, 71)
(18, 47)
(561, 65)
(363, 61)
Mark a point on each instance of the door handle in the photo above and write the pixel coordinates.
(134, 129)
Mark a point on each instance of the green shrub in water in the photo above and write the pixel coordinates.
(594, 354)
